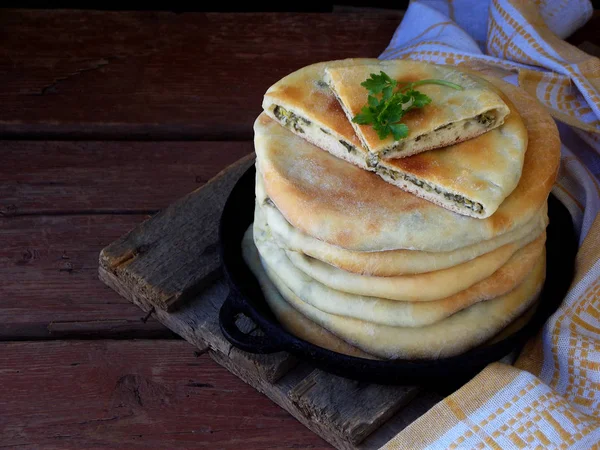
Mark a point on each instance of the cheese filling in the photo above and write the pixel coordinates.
(446, 133)
(300, 125)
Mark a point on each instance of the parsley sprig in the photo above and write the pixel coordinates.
(386, 108)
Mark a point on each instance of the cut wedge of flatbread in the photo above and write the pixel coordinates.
(393, 312)
(303, 103)
(452, 116)
(471, 178)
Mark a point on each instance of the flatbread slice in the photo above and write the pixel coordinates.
(471, 178)
(391, 262)
(392, 312)
(303, 103)
(452, 116)
(456, 334)
(291, 319)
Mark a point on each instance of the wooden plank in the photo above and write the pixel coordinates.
(133, 395)
(168, 258)
(197, 321)
(346, 407)
(100, 177)
(317, 414)
(49, 285)
(419, 405)
(157, 75)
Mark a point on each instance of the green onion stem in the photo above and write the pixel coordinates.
(432, 81)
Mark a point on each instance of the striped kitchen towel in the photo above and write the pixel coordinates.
(550, 397)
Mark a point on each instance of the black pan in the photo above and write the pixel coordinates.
(245, 297)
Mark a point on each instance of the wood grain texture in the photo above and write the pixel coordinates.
(196, 321)
(134, 76)
(102, 177)
(160, 75)
(346, 407)
(169, 257)
(133, 395)
(49, 285)
(61, 203)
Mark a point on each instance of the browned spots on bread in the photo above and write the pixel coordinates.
(499, 222)
(415, 74)
(373, 226)
(292, 94)
(420, 117)
(263, 120)
(343, 237)
(417, 164)
(333, 106)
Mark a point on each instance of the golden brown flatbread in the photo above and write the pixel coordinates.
(303, 102)
(452, 116)
(471, 179)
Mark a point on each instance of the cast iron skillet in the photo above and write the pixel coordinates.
(245, 297)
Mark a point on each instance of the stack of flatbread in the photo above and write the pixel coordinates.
(415, 249)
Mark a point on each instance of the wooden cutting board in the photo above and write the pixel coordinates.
(169, 266)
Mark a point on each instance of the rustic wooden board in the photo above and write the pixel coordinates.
(106, 177)
(49, 287)
(171, 256)
(160, 75)
(343, 412)
(60, 203)
(144, 394)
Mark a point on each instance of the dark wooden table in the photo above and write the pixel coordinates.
(105, 118)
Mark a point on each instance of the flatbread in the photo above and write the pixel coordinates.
(357, 210)
(290, 319)
(392, 312)
(454, 335)
(452, 116)
(422, 287)
(393, 262)
(303, 103)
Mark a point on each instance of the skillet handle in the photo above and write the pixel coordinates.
(231, 308)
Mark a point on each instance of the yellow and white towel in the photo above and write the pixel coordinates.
(550, 398)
